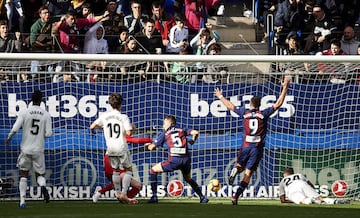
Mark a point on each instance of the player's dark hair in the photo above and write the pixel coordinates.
(289, 170)
(172, 119)
(115, 100)
(255, 101)
(36, 97)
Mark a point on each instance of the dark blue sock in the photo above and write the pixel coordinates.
(241, 189)
(153, 183)
(196, 188)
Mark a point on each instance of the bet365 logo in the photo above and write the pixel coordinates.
(175, 188)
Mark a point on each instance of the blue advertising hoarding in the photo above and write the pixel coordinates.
(74, 157)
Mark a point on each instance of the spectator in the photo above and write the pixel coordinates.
(178, 36)
(323, 32)
(196, 14)
(86, 11)
(23, 76)
(180, 69)
(65, 75)
(288, 17)
(265, 7)
(149, 38)
(131, 47)
(113, 24)
(203, 39)
(163, 21)
(94, 42)
(15, 15)
(31, 14)
(40, 34)
(76, 5)
(123, 36)
(200, 44)
(3, 76)
(8, 42)
(58, 8)
(334, 71)
(217, 72)
(135, 22)
(293, 44)
(68, 28)
(348, 43)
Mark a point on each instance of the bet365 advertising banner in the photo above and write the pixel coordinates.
(74, 157)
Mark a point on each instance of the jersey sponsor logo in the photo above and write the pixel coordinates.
(175, 188)
(339, 188)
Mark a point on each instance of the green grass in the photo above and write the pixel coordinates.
(175, 208)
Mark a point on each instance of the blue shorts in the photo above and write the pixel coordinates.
(182, 163)
(250, 157)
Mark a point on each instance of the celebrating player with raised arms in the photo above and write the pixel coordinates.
(299, 190)
(179, 156)
(36, 124)
(255, 127)
(116, 126)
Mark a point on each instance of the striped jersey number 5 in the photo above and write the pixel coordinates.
(253, 125)
(115, 130)
(176, 140)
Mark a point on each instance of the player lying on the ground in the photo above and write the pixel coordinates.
(297, 189)
(135, 185)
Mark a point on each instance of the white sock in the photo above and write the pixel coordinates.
(126, 181)
(22, 189)
(307, 201)
(41, 181)
(329, 200)
(116, 181)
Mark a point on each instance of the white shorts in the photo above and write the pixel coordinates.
(119, 162)
(26, 162)
(302, 191)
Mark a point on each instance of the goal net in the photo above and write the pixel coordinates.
(316, 131)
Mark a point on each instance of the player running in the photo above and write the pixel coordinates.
(255, 126)
(135, 185)
(299, 190)
(116, 126)
(179, 156)
(36, 124)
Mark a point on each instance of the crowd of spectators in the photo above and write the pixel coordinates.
(106, 27)
(314, 27)
(154, 27)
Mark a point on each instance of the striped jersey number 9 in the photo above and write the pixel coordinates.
(115, 130)
(253, 125)
(176, 140)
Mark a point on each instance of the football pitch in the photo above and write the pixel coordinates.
(178, 208)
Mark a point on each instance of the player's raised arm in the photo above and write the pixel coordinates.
(227, 103)
(195, 135)
(285, 87)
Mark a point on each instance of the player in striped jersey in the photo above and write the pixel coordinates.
(255, 126)
(299, 190)
(179, 156)
(116, 126)
(36, 125)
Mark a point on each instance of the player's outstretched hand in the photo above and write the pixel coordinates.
(150, 146)
(287, 80)
(7, 142)
(218, 92)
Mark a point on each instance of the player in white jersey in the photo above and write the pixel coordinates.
(116, 126)
(297, 189)
(36, 125)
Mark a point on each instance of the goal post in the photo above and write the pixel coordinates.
(316, 131)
